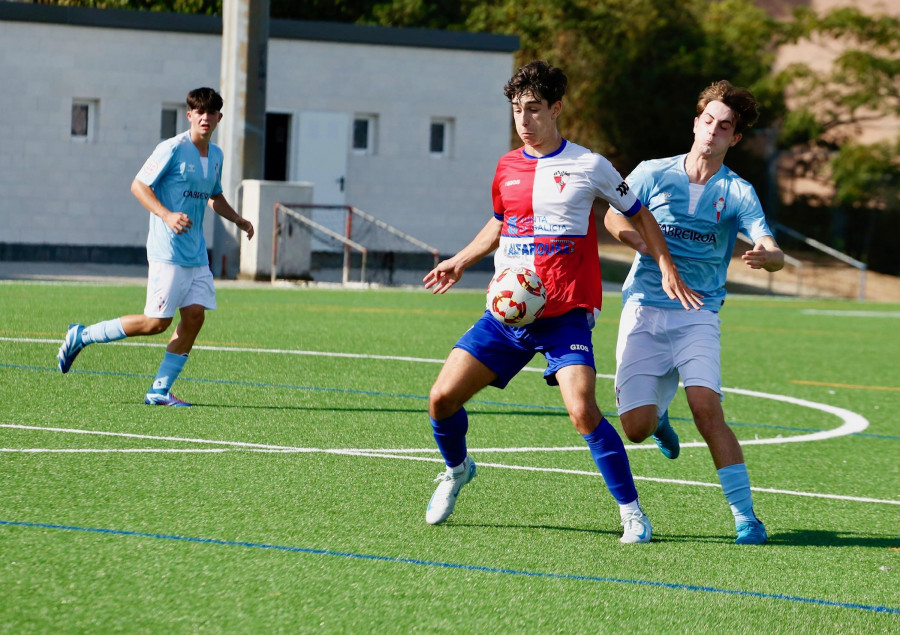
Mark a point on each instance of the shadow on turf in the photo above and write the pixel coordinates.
(599, 532)
(795, 537)
(820, 538)
(592, 530)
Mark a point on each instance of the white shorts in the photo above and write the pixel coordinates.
(171, 287)
(656, 346)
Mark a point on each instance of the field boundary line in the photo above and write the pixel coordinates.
(673, 586)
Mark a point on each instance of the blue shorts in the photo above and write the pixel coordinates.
(564, 340)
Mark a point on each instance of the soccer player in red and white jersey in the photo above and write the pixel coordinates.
(543, 195)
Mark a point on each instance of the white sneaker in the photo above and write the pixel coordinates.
(444, 498)
(637, 528)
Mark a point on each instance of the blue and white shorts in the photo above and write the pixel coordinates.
(657, 346)
(171, 287)
(564, 340)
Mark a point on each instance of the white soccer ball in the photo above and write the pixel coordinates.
(516, 296)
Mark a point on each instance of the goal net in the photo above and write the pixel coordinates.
(340, 243)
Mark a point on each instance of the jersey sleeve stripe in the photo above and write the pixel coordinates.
(634, 209)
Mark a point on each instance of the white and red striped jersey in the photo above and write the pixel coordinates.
(546, 206)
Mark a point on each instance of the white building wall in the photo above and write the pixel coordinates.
(59, 191)
(442, 201)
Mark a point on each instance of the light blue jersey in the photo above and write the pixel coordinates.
(701, 242)
(176, 174)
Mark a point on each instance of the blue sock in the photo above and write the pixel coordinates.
(736, 487)
(609, 454)
(168, 372)
(101, 332)
(450, 434)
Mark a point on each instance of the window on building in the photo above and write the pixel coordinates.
(173, 120)
(364, 134)
(441, 137)
(84, 119)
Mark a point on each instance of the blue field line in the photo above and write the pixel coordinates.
(375, 393)
(464, 567)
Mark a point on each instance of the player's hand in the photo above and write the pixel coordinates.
(442, 277)
(761, 258)
(676, 289)
(246, 226)
(178, 222)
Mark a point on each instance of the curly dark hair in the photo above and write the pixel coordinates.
(540, 79)
(204, 100)
(740, 100)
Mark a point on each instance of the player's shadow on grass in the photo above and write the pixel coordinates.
(822, 538)
(584, 530)
(657, 537)
(795, 537)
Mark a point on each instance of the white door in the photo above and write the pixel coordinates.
(322, 147)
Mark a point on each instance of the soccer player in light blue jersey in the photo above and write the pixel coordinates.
(177, 182)
(700, 205)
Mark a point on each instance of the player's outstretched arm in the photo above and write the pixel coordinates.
(448, 272)
(224, 209)
(766, 254)
(646, 225)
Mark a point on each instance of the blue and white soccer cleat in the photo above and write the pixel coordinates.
(165, 399)
(637, 528)
(751, 533)
(70, 347)
(666, 438)
(444, 498)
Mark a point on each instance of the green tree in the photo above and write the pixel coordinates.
(821, 129)
(208, 7)
(637, 66)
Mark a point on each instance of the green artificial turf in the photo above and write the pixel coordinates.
(291, 497)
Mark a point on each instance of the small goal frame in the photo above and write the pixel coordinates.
(295, 212)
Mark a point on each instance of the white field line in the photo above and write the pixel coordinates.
(852, 313)
(852, 421)
(242, 349)
(115, 450)
(385, 454)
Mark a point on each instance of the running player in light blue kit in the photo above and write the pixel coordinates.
(700, 205)
(177, 182)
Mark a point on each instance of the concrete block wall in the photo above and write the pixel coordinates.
(55, 190)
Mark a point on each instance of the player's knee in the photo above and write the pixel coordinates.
(637, 426)
(155, 326)
(193, 316)
(708, 420)
(442, 403)
(584, 416)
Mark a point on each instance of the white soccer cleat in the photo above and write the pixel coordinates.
(165, 399)
(637, 528)
(444, 498)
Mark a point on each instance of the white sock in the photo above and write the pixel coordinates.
(629, 508)
(459, 469)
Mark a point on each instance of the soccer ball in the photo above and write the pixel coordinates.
(516, 296)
